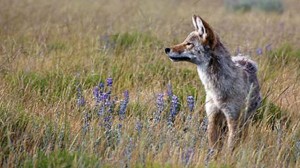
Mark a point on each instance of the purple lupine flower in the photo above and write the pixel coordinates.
(119, 126)
(123, 105)
(101, 86)
(80, 98)
(126, 96)
(81, 101)
(98, 90)
(119, 133)
(160, 107)
(107, 102)
(173, 109)
(96, 93)
(139, 126)
(107, 122)
(101, 89)
(169, 90)
(174, 106)
(268, 47)
(111, 105)
(128, 151)
(191, 103)
(187, 156)
(109, 82)
(101, 110)
(259, 51)
(104, 97)
(160, 102)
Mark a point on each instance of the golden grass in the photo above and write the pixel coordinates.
(47, 47)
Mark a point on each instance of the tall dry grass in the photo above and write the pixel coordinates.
(49, 48)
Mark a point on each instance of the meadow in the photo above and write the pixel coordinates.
(87, 84)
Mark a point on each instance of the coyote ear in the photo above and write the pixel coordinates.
(205, 31)
(199, 27)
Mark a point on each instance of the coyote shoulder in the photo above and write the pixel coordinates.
(231, 84)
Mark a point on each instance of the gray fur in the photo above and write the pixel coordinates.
(231, 83)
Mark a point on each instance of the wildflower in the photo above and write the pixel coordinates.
(123, 105)
(80, 98)
(259, 51)
(119, 126)
(174, 105)
(160, 102)
(128, 151)
(101, 86)
(109, 82)
(191, 103)
(81, 101)
(104, 97)
(126, 96)
(101, 110)
(96, 94)
(173, 109)
(108, 122)
(111, 105)
(187, 155)
(119, 133)
(160, 107)
(101, 89)
(139, 126)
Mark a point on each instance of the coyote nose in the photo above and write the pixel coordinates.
(167, 50)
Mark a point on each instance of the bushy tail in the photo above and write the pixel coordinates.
(245, 63)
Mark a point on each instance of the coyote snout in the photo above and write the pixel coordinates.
(167, 50)
(231, 85)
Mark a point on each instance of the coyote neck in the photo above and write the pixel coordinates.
(219, 72)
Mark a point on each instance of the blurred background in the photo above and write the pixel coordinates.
(248, 19)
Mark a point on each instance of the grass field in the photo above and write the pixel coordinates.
(54, 55)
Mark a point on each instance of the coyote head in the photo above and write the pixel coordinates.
(197, 48)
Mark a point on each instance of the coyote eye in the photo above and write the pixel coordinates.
(189, 44)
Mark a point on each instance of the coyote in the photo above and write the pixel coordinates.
(231, 84)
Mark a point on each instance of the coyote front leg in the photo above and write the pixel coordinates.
(212, 130)
(214, 116)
